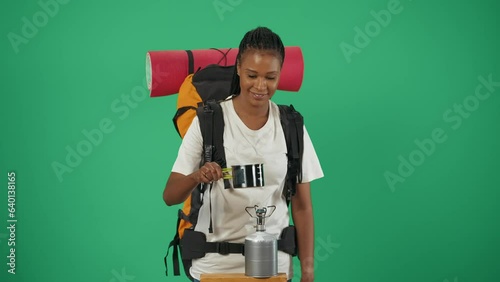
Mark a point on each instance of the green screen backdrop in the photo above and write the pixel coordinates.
(401, 99)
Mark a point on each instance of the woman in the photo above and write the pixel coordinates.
(252, 135)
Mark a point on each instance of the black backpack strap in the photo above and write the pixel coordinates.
(205, 115)
(175, 243)
(212, 129)
(293, 128)
(190, 61)
(224, 55)
(194, 244)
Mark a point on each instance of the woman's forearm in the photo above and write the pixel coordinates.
(302, 214)
(180, 186)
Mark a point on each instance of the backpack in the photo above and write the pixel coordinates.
(199, 95)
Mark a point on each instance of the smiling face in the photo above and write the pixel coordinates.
(259, 73)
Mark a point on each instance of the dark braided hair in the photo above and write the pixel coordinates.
(261, 38)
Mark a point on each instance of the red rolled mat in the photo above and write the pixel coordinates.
(166, 70)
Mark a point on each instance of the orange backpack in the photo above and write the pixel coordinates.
(210, 83)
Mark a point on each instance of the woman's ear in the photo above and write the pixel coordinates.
(238, 68)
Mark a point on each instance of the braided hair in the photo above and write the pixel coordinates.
(260, 38)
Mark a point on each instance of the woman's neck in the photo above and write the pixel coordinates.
(246, 109)
(253, 117)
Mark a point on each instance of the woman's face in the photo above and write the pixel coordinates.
(259, 73)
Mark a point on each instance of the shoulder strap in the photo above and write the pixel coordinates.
(293, 128)
(212, 129)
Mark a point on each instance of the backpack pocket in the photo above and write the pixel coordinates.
(192, 244)
(288, 241)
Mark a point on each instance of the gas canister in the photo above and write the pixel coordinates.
(261, 248)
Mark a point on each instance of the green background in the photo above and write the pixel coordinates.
(106, 218)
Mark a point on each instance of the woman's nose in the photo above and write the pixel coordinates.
(260, 84)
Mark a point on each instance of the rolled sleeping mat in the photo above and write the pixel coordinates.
(166, 70)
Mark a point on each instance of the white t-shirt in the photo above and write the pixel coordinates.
(230, 220)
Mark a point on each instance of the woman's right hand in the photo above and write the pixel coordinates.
(209, 172)
(180, 186)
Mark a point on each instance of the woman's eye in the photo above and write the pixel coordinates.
(271, 78)
(252, 76)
